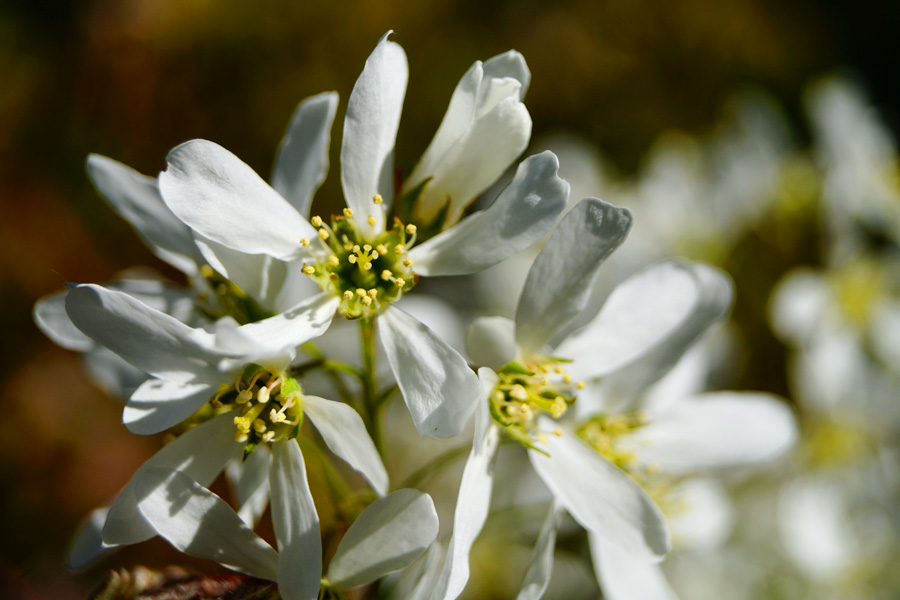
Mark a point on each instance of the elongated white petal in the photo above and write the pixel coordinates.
(706, 515)
(560, 280)
(370, 129)
(523, 212)
(390, 534)
(471, 511)
(418, 581)
(136, 198)
(296, 524)
(600, 496)
(491, 341)
(623, 576)
(302, 162)
(439, 388)
(648, 323)
(345, 434)
(201, 453)
(537, 578)
(51, 318)
(199, 523)
(148, 339)
(719, 429)
(305, 321)
(221, 198)
(112, 374)
(259, 275)
(509, 65)
(159, 404)
(86, 547)
(250, 484)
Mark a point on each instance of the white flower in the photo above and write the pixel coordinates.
(239, 376)
(359, 257)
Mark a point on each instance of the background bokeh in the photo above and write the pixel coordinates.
(130, 79)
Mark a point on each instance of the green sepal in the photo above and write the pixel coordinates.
(495, 414)
(560, 359)
(514, 368)
(407, 202)
(248, 450)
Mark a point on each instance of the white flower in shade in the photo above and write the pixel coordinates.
(643, 329)
(361, 257)
(236, 383)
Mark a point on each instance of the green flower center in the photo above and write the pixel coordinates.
(366, 272)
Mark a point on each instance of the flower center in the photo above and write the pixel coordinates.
(604, 434)
(267, 406)
(366, 273)
(223, 297)
(526, 390)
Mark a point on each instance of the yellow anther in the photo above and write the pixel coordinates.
(367, 247)
(557, 432)
(316, 221)
(333, 276)
(558, 407)
(324, 235)
(386, 275)
(356, 248)
(399, 249)
(240, 437)
(371, 220)
(382, 249)
(399, 282)
(348, 295)
(334, 260)
(544, 380)
(207, 271)
(308, 270)
(244, 396)
(410, 229)
(375, 254)
(557, 369)
(348, 212)
(352, 259)
(268, 436)
(407, 262)
(580, 385)
(518, 392)
(304, 242)
(216, 403)
(567, 378)
(367, 301)
(367, 266)
(373, 293)
(348, 246)
(263, 395)
(542, 438)
(360, 292)
(259, 425)
(237, 420)
(377, 199)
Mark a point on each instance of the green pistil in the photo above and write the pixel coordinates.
(228, 299)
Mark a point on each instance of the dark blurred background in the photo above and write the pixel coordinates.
(130, 79)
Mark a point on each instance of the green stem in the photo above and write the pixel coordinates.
(370, 390)
(429, 470)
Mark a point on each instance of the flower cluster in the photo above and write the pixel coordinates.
(235, 366)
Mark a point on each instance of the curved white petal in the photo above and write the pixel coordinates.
(537, 578)
(390, 534)
(370, 129)
(159, 404)
(221, 198)
(472, 506)
(302, 162)
(491, 341)
(345, 434)
(509, 65)
(296, 524)
(148, 339)
(647, 324)
(439, 388)
(417, 582)
(523, 212)
(258, 275)
(201, 454)
(561, 277)
(86, 547)
(112, 374)
(297, 325)
(623, 576)
(704, 515)
(715, 430)
(600, 496)
(249, 481)
(51, 318)
(136, 198)
(199, 523)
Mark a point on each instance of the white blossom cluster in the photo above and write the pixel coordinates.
(234, 364)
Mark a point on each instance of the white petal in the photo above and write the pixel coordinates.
(112, 374)
(136, 198)
(648, 323)
(199, 523)
(159, 404)
(704, 517)
(623, 576)
(389, 535)
(148, 339)
(200, 453)
(600, 496)
(86, 547)
(51, 318)
(223, 199)
(345, 435)
(370, 129)
(302, 162)
(537, 578)
(259, 275)
(798, 304)
(472, 506)
(491, 341)
(249, 481)
(296, 524)
(295, 326)
(523, 212)
(509, 65)
(439, 388)
(417, 582)
(715, 430)
(476, 160)
(560, 280)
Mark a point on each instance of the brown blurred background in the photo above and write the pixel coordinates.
(131, 79)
